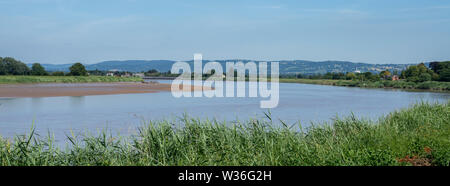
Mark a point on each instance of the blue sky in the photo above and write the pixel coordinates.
(372, 31)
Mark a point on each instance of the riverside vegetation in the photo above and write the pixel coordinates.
(419, 135)
(65, 79)
(414, 77)
(417, 77)
(400, 84)
(13, 71)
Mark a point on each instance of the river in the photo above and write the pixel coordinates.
(122, 114)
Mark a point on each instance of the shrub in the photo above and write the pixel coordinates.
(78, 69)
(38, 70)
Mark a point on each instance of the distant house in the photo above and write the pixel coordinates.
(357, 71)
(395, 78)
(112, 72)
(126, 74)
(141, 75)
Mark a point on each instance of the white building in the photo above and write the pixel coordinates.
(141, 75)
(111, 72)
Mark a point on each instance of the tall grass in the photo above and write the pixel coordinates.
(401, 84)
(65, 79)
(427, 85)
(419, 135)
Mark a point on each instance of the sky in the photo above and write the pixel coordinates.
(91, 31)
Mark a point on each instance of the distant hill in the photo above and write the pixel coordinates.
(286, 67)
(310, 67)
(55, 67)
(133, 65)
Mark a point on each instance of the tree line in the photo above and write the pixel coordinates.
(11, 66)
(438, 71)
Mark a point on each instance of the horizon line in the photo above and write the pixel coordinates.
(209, 60)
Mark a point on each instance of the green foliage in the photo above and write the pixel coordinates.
(418, 73)
(78, 69)
(385, 74)
(350, 76)
(441, 68)
(416, 76)
(424, 77)
(10, 66)
(152, 71)
(2, 67)
(38, 70)
(445, 74)
(421, 131)
(97, 72)
(401, 84)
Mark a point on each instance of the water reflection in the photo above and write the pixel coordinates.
(77, 102)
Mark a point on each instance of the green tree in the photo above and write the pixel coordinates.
(10, 66)
(350, 75)
(152, 71)
(442, 69)
(444, 74)
(435, 77)
(424, 77)
(367, 75)
(78, 69)
(412, 71)
(38, 70)
(419, 73)
(385, 74)
(2, 67)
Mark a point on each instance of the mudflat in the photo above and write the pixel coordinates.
(83, 89)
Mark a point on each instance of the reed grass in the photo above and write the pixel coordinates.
(419, 135)
(401, 84)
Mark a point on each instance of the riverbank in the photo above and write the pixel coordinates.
(401, 84)
(65, 79)
(435, 86)
(311, 81)
(82, 89)
(415, 136)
